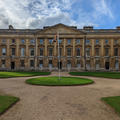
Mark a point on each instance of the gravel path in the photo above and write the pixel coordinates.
(60, 103)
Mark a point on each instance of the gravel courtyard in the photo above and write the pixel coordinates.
(60, 103)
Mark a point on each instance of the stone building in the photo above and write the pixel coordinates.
(80, 49)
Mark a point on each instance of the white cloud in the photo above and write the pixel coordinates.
(101, 8)
(33, 13)
(38, 13)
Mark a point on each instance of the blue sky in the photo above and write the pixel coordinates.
(39, 13)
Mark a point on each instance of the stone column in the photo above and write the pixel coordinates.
(8, 54)
(64, 54)
(111, 54)
(64, 47)
(102, 54)
(93, 54)
(17, 63)
(46, 54)
(73, 63)
(36, 52)
(27, 55)
(83, 53)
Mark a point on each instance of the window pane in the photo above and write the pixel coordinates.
(68, 64)
(13, 51)
(41, 51)
(50, 41)
(78, 51)
(116, 64)
(22, 51)
(13, 40)
(87, 51)
(41, 41)
(77, 41)
(106, 41)
(41, 63)
(97, 41)
(32, 41)
(3, 41)
(3, 51)
(115, 51)
(31, 63)
(32, 52)
(50, 52)
(97, 51)
(22, 41)
(60, 41)
(68, 51)
(22, 63)
(87, 42)
(106, 51)
(115, 41)
(69, 41)
(3, 63)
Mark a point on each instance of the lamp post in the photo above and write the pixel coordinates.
(58, 55)
(57, 38)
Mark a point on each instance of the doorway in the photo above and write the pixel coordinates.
(107, 65)
(59, 65)
(12, 65)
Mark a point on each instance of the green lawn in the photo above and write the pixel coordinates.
(115, 75)
(54, 81)
(6, 102)
(21, 74)
(114, 102)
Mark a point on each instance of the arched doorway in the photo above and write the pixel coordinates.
(12, 65)
(107, 65)
(60, 65)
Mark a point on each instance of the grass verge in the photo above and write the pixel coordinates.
(114, 102)
(21, 74)
(54, 81)
(6, 102)
(113, 75)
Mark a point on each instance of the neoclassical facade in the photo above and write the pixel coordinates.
(80, 49)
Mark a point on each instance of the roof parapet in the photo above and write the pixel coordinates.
(88, 27)
(118, 27)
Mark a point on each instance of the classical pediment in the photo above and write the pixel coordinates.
(61, 28)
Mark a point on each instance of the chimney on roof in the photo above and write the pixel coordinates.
(74, 27)
(118, 27)
(11, 27)
(88, 27)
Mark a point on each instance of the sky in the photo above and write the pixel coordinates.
(35, 14)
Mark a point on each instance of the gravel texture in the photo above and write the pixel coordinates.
(60, 103)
